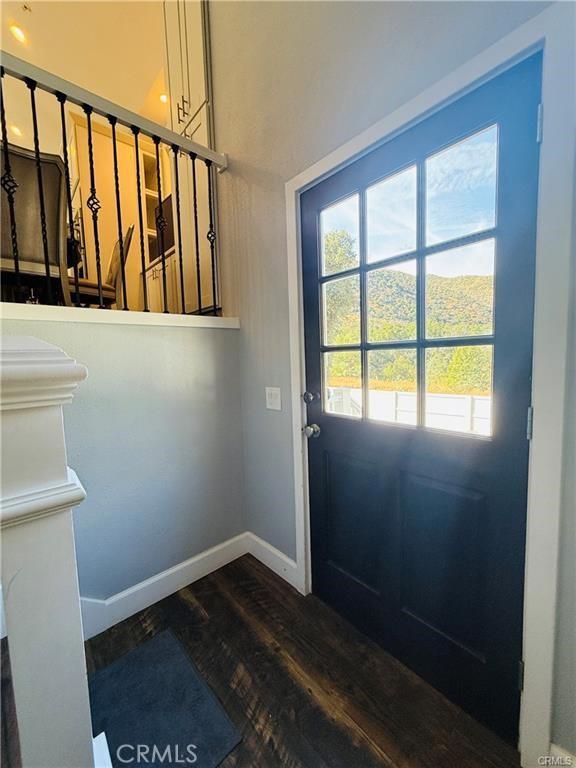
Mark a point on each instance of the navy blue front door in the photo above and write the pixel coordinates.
(418, 276)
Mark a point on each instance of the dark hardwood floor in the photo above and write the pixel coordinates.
(304, 688)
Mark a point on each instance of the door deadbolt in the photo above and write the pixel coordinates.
(309, 397)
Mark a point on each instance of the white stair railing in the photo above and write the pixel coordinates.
(39, 576)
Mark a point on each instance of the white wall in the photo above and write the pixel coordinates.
(292, 81)
(154, 435)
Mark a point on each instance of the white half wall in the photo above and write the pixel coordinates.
(155, 435)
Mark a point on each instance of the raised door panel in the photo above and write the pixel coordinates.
(443, 559)
(353, 529)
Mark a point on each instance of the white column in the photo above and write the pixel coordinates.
(39, 577)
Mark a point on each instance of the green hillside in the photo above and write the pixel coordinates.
(455, 306)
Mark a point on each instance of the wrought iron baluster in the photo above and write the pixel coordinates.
(211, 234)
(62, 100)
(112, 120)
(161, 224)
(9, 186)
(93, 203)
(32, 87)
(136, 131)
(176, 151)
(196, 233)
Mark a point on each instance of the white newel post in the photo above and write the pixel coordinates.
(39, 577)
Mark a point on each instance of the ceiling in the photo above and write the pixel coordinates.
(114, 49)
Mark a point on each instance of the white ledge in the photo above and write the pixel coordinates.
(42, 502)
(14, 311)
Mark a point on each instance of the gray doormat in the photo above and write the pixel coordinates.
(156, 710)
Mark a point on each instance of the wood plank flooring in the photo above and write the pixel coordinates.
(305, 689)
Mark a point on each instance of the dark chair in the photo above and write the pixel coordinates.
(112, 284)
(28, 224)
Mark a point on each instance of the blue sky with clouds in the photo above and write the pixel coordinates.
(460, 200)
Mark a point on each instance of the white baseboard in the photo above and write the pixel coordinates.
(554, 756)
(98, 615)
(569, 758)
(277, 561)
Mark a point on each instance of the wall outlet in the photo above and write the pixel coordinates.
(273, 399)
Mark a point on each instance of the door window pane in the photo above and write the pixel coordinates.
(461, 188)
(460, 291)
(391, 298)
(343, 383)
(342, 311)
(339, 233)
(459, 389)
(391, 216)
(392, 385)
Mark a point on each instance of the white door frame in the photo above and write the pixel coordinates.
(553, 32)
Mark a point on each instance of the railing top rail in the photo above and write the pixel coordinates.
(23, 70)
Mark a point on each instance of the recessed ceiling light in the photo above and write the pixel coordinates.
(163, 98)
(18, 33)
(15, 130)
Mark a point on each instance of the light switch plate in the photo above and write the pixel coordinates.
(273, 399)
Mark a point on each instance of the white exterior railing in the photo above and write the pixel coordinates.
(458, 413)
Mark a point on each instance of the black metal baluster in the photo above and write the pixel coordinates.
(176, 151)
(136, 131)
(112, 120)
(211, 234)
(161, 224)
(32, 87)
(196, 235)
(93, 203)
(9, 186)
(62, 100)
